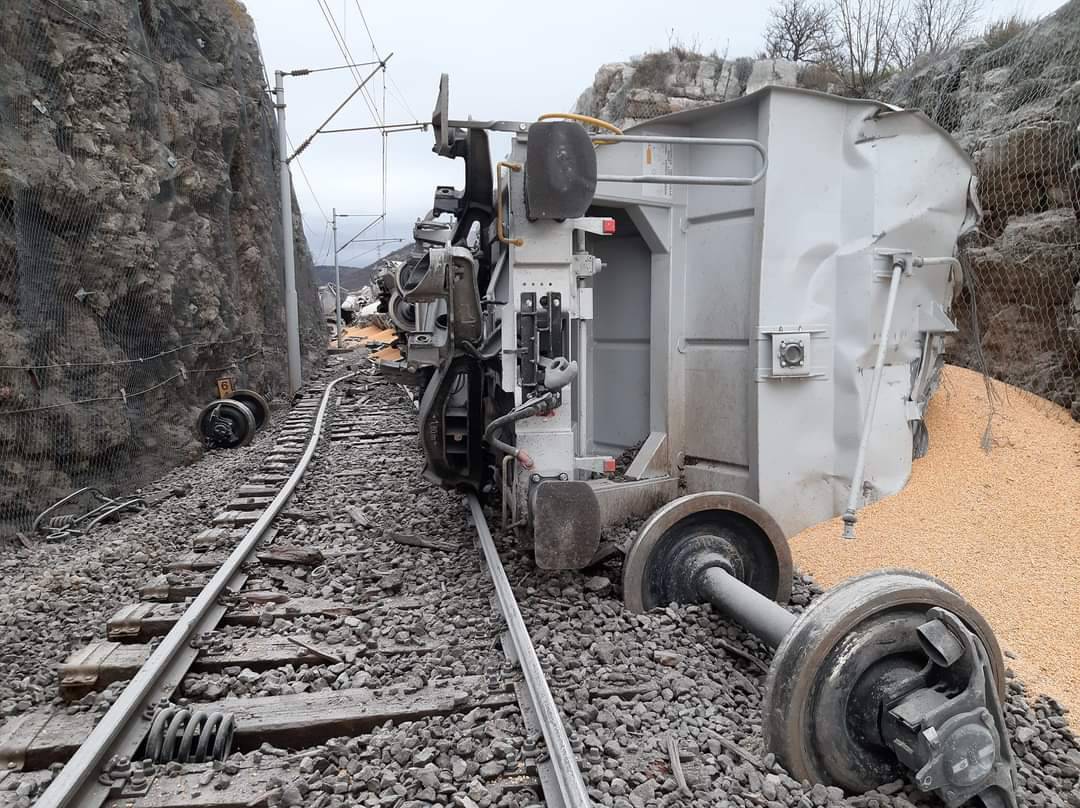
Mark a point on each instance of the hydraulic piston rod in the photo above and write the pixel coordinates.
(761, 616)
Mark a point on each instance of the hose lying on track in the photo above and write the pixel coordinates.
(88, 760)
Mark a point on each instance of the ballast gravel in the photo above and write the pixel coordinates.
(637, 692)
(56, 596)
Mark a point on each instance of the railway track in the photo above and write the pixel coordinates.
(371, 651)
(166, 742)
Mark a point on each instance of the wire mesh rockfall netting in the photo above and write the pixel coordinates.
(138, 233)
(1012, 99)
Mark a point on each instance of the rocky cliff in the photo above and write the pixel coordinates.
(656, 84)
(140, 237)
(1014, 102)
(1015, 106)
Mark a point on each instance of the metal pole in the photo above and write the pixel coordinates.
(871, 405)
(292, 317)
(337, 281)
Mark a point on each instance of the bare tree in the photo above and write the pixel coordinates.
(934, 26)
(867, 32)
(799, 30)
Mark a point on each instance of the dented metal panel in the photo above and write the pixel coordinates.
(793, 264)
(721, 303)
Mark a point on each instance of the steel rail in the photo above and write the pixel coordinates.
(571, 785)
(85, 764)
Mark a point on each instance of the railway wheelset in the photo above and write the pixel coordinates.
(887, 674)
(231, 421)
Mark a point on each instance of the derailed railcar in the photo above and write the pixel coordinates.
(754, 296)
(724, 287)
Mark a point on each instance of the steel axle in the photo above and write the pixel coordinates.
(761, 616)
(886, 674)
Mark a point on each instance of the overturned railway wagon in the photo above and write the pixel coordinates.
(756, 294)
(753, 296)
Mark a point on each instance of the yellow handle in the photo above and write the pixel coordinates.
(585, 119)
(573, 116)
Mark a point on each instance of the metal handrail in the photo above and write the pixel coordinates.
(682, 179)
(87, 761)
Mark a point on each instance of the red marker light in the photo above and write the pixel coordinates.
(609, 227)
(609, 465)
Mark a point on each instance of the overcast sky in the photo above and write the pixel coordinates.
(510, 60)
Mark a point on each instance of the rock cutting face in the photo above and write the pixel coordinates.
(139, 239)
(1014, 103)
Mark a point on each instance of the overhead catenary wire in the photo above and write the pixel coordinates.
(367, 28)
(385, 147)
(341, 106)
(375, 51)
(309, 70)
(394, 88)
(389, 128)
(378, 248)
(325, 238)
(307, 182)
(341, 41)
(385, 144)
(343, 46)
(343, 49)
(363, 230)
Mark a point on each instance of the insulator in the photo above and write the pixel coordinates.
(181, 735)
(62, 521)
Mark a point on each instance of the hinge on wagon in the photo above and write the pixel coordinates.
(527, 341)
(946, 722)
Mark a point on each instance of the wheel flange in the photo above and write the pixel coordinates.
(259, 406)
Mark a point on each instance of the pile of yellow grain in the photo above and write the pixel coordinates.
(1001, 527)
